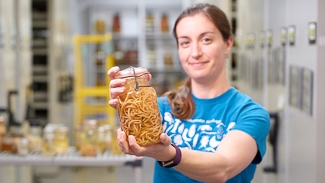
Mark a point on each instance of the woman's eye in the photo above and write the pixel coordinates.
(184, 43)
(206, 40)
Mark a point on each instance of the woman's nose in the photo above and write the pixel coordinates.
(196, 50)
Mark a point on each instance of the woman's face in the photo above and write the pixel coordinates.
(201, 48)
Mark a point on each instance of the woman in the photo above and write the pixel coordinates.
(212, 132)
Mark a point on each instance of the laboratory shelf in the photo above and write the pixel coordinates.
(69, 159)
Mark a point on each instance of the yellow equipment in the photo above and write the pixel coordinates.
(81, 91)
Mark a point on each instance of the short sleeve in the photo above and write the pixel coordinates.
(256, 122)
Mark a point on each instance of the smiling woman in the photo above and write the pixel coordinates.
(211, 131)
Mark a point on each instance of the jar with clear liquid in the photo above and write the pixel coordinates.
(138, 107)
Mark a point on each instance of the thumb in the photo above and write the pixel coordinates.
(165, 139)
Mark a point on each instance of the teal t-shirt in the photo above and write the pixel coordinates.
(213, 119)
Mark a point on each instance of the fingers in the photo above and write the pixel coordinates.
(113, 71)
(113, 102)
(116, 86)
(122, 142)
(136, 149)
(149, 77)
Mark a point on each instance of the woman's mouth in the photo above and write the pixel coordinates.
(197, 64)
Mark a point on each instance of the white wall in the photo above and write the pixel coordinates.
(319, 96)
(301, 140)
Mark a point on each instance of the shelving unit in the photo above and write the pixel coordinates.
(82, 90)
(234, 76)
(73, 159)
(40, 76)
(152, 48)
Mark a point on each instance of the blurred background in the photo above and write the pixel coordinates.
(56, 126)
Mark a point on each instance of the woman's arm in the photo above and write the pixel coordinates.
(235, 152)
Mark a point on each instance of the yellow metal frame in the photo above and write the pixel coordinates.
(81, 92)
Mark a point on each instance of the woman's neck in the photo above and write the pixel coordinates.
(211, 89)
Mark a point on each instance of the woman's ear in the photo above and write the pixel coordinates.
(229, 44)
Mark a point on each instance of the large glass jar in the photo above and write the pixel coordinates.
(61, 140)
(138, 107)
(89, 139)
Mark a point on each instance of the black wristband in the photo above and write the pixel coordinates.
(173, 162)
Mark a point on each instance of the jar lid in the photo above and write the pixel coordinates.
(62, 129)
(50, 127)
(2, 120)
(104, 128)
(90, 123)
(34, 122)
(131, 72)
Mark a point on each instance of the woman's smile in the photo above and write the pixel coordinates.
(197, 64)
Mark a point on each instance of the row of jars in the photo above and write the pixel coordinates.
(14, 141)
(22, 140)
(90, 139)
(100, 24)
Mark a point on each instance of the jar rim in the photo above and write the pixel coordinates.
(61, 129)
(131, 71)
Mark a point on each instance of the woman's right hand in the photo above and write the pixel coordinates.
(116, 86)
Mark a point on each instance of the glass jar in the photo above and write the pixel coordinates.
(35, 137)
(8, 144)
(138, 107)
(164, 24)
(77, 137)
(22, 147)
(48, 147)
(116, 23)
(61, 140)
(89, 140)
(104, 139)
(115, 148)
(3, 128)
(150, 23)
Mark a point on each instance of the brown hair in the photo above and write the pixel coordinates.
(181, 98)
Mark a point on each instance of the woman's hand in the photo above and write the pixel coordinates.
(116, 86)
(162, 151)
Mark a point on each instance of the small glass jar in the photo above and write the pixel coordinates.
(138, 107)
(104, 139)
(35, 137)
(48, 147)
(22, 147)
(77, 137)
(115, 148)
(61, 140)
(89, 140)
(164, 24)
(8, 144)
(3, 128)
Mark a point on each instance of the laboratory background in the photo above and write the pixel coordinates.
(55, 121)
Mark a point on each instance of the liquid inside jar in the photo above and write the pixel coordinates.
(138, 107)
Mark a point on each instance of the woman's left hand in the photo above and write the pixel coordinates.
(162, 151)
